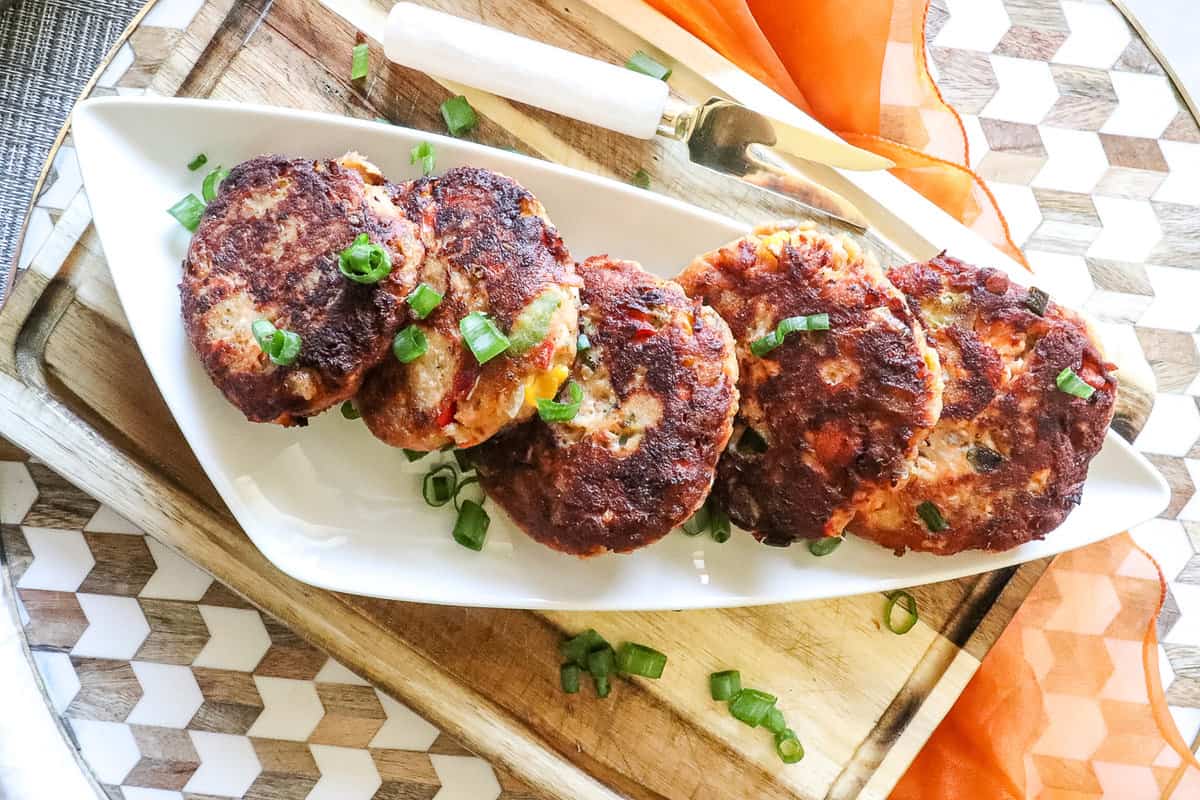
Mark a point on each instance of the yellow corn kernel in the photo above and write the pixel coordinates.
(545, 386)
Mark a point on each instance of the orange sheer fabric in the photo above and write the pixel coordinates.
(859, 68)
(1068, 703)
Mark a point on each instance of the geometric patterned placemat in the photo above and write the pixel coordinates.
(170, 683)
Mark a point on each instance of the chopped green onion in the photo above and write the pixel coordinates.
(423, 300)
(364, 261)
(583, 343)
(415, 455)
(751, 441)
(459, 115)
(640, 62)
(409, 345)
(765, 344)
(424, 154)
(482, 336)
(720, 525)
(824, 546)
(281, 346)
(470, 529)
(932, 517)
(637, 659)
(576, 648)
(463, 459)
(530, 327)
(212, 182)
(568, 677)
(1037, 300)
(1067, 381)
(725, 685)
(601, 662)
(788, 746)
(188, 212)
(641, 179)
(470, 480)
(196, 163)
(910, 606)
(751, 706)
(554, 411)
(438, 487)
(359, 61)
(603, 687)
(774, 721)
(984, 459)
(349, 411)
(699, 521)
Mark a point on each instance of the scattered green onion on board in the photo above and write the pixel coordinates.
(423, 300)
(359, 61)
(470, 480)
(931, 515)
(1067, 381)
(601, 662)
(482, 336)
(349, 411)
(724, 685)
(188, 212)
(774, 721)
(470, 529)
(212, 182)
(641, 179)
(640, 62)
(438, 486)
(409, 345)
(603, 685)
(459, 116)
(364, 261)
(576, 649)
(812, 322)
(637, 659)
(788, 746)
(910, 607)
(824, 546)
(196, 163)
(281, 346)
(751, 706)
(554, 411)
(568, 676)
(423, 154)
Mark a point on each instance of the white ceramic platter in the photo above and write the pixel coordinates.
(330, 505)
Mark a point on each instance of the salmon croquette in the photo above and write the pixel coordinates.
(656, 390)
(267, 249)
(499, 275)
(1007, 461)
(837, 384)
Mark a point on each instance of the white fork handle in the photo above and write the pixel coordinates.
(524, 70)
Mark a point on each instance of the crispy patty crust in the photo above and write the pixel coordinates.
(659, 389)
(267, 248)
(828, 416)
(489, 248)
(1007, 461)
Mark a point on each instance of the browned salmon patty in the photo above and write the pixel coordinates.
(659, 391)
(1007, 461)
(827, 416)
(267, 248)
(491, 249)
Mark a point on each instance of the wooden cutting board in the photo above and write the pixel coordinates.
(75, 392)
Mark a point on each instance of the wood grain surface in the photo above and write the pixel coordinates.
(74, 390)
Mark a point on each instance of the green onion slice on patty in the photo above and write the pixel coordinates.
(364, 261)
(409, 345)
(423, 300)
(482, 336)
(1067, 381)
(554, 411)
(281, 346)
(812, 322)
(533, 323)
(931, 515)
